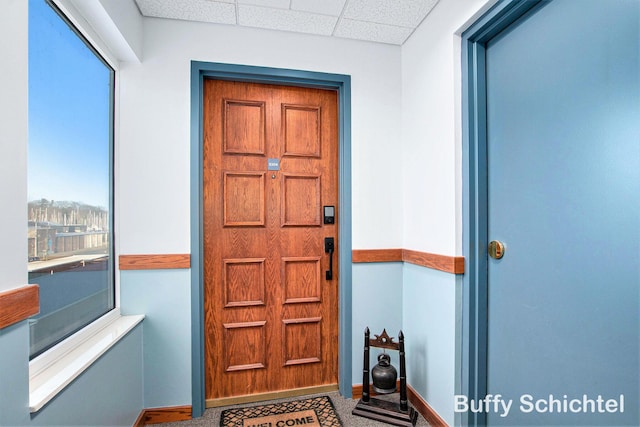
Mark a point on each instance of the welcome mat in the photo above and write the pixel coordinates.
(312, 412)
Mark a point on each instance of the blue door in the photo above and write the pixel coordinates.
(563, 163)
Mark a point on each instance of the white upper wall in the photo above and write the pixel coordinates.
(405, 124)
(153, 139)
(14, 129)
(128, 21)
(431, 124)
(114, 27)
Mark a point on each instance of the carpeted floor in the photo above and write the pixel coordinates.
(211, 417)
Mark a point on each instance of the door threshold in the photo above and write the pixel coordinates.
(260, 397)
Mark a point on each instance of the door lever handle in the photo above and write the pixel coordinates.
(329, 246)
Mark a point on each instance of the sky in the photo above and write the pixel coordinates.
(69, 102)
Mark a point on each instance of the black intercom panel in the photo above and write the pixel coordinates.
(329, 214)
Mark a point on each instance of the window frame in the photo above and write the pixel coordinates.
(111, 265)
(53, 369)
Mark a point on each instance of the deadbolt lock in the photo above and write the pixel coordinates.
(496, 249)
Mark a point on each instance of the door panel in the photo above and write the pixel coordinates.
(270, 165)
(563, 111)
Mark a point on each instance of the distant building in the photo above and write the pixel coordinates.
(47, 239)
(59, 229)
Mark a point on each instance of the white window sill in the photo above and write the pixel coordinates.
(56, 368)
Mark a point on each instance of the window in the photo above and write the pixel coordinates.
(70, 164)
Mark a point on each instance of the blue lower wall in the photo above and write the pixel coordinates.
(151, 366)
(422, 302)
(14, 375)
(109, 393)
(164, 297)
(429, 319)
(377, 304)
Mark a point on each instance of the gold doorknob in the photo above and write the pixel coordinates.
(496, 249)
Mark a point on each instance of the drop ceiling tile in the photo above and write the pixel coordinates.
(404, 13)
(324, 7)
(219, 12)
(383, 21)
(278, 4)
(370, 31)
(286, 20)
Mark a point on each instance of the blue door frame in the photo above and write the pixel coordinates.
(342, 83)
(474, 316)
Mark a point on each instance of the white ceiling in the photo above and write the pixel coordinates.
(382, 21)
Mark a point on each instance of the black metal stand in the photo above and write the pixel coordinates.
(399, 414)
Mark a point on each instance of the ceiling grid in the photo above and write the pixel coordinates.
(380, 21)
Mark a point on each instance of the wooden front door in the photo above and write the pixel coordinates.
(270, 166)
